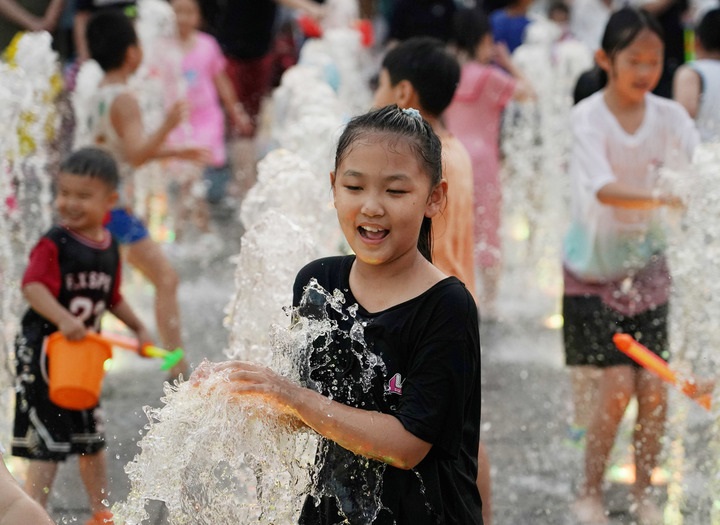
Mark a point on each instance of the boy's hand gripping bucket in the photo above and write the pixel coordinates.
(75, 370)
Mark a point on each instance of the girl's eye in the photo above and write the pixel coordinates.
(397, 192)
(353, 188)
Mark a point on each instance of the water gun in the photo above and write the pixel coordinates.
(651, 362)
(170, 357)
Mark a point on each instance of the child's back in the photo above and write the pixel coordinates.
(697, 85)
(453, 230)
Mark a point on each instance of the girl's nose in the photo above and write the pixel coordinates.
(372, 207)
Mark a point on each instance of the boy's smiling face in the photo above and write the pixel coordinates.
(82, 203)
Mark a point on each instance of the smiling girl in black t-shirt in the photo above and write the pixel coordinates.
(397, 405)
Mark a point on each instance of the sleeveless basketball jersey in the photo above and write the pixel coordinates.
(88, 272)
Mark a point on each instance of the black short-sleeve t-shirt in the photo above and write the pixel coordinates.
(428, 377)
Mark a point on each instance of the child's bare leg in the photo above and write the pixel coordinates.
(93, 471)
(585, 381)
(484, 484)
(616, 389)
(147, 257)
(650, 427)
(39, 480)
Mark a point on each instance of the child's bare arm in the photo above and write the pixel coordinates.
(624, 196)
(16, 507)
(372, 434)
(687, 88)
(235, 110)
(44, 302)
(125, 313)
(140, 148)
(79, 25)
(16, 13)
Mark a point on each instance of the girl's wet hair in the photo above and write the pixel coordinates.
(624, 26)
(403, 125)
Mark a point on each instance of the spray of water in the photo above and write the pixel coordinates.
(535, 184)
(29, 109)
(693, 250)
(215, 458)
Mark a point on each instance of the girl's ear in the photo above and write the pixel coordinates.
(603, 60)
(332, 183)
(436, 199)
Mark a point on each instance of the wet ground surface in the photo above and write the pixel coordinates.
(526, 395)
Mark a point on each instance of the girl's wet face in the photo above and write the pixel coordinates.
(382, 194)
(636, 69)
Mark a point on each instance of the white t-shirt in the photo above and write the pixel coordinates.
(608, 242)
(708, 115)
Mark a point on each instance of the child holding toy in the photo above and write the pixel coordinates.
(72, 278)
(616, 278)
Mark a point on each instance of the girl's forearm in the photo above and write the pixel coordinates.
(226, 92)
(151, 148)
(368, 433)
(624, 196)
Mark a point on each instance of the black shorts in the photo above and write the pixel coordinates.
(590, 325)
(43, 430)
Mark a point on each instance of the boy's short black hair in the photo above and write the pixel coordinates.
(429, 67)
(470, 27)
(92, 162)
(109, 34)
(708, 30)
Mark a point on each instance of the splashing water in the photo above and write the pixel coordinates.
(534, 182)
(29, 109)
(215, 458)
(693, 250)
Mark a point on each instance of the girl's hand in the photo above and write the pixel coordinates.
(72, 328)
(246, 378)
(177, 113)
(672, 201)
(197, 154)
(501, 56)
(242, 122)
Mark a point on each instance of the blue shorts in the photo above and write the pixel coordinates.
(126, 227)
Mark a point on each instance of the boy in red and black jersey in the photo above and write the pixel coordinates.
(72, 278)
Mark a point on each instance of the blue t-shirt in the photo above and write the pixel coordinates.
(508, 29)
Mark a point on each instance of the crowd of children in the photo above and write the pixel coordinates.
(417, 191)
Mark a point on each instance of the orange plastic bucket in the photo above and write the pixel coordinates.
(75, 370)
